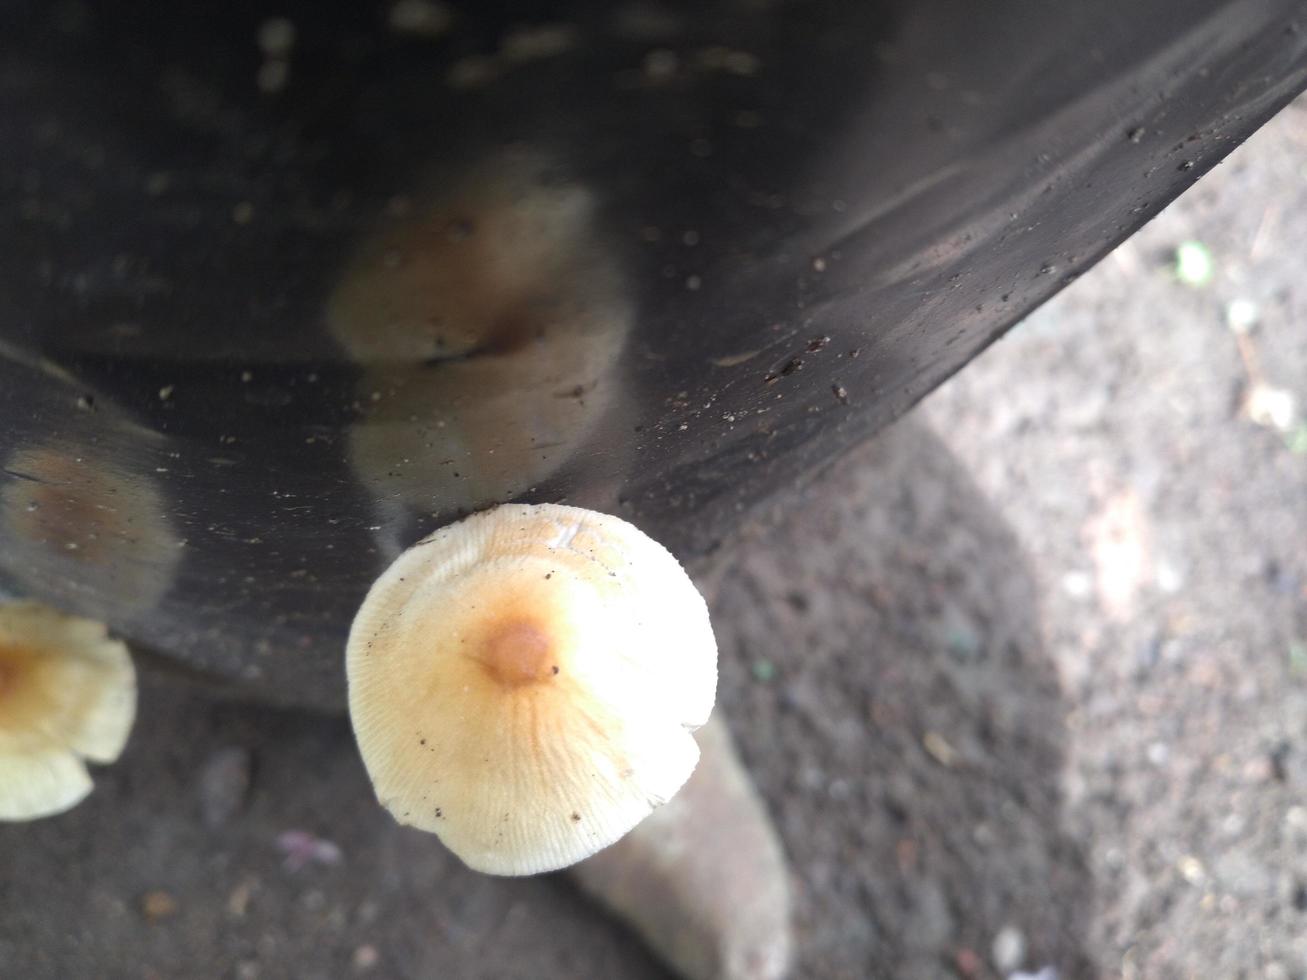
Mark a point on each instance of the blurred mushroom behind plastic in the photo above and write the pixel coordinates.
(82, 529)
(489, 318)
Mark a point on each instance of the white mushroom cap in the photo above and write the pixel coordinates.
(524, 684)
(67, 693)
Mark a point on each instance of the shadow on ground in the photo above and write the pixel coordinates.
(883, 664)
(881, 667)
(170, 870)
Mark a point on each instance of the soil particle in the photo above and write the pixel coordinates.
(224, 783)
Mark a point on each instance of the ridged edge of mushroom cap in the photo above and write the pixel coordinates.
(72, 696)
(534, 761)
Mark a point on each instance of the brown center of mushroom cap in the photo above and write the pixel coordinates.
(13, 660)
(517, 652)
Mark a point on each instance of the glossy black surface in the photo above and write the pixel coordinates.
(270, 312)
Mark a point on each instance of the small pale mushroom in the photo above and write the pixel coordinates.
(525, 684)
(67, 695)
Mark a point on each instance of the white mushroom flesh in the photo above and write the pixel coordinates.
(524, 684)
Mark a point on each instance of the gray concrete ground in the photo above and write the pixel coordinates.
(1165, 516)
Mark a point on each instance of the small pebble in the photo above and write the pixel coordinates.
(239, 899)
(1241, 315)
(1169, 577)
(1272, 407)
(1078, 585)
(967, 961)
(303, 848)
(1008, 951)
(1045, 973)
(1191, 868)
(224, 785)
(157, 905)
(940, 750)
(366, 957)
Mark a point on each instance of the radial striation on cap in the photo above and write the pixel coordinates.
(524, 684)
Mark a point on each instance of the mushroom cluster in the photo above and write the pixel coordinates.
(67, 695)
(525, 684)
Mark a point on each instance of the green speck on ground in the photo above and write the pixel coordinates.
(963, 643)
(1194, 265)
(1297, 440)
